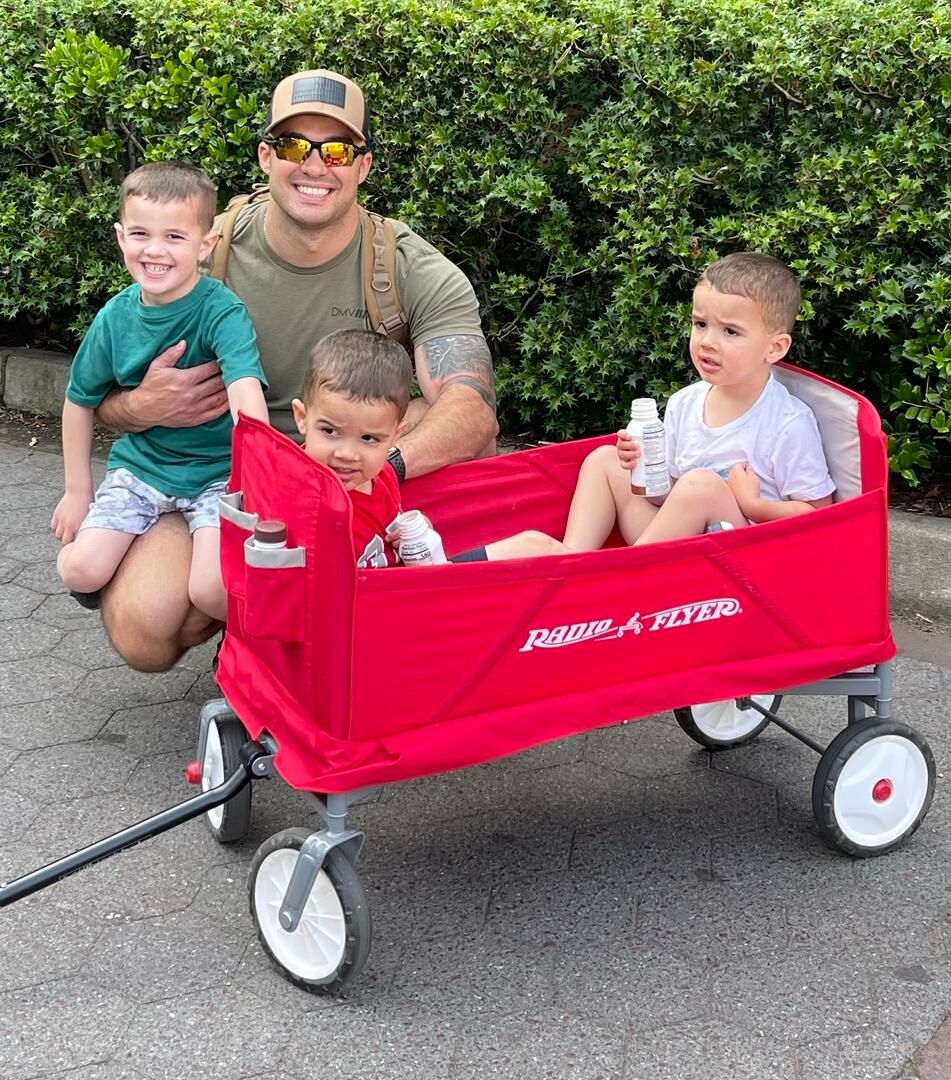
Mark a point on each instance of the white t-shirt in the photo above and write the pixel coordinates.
(778, 436)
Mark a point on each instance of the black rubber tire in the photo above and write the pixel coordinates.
(685, 718)
(834, 760)
(236, 812)
(349, 890)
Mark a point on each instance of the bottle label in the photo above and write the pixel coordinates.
(650, 475)
(416, 551)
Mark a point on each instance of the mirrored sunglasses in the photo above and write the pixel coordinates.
(334, 153)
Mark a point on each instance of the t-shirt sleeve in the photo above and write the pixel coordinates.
(799, 462)
(92, 374)
(436, 295)
(233, 342)
(673, 417)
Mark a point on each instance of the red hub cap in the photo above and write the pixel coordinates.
(882, 790)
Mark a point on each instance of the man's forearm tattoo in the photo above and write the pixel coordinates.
(461, 360)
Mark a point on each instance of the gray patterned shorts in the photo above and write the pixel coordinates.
(126, 504)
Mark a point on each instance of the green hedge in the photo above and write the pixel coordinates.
(582, 160)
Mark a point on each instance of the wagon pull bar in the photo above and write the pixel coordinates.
(194, 807)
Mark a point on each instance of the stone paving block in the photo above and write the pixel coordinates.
(779, 853)
(777, 994)
(24, 523)
(41, 577)
(37, 679)
(867, 1053)
(641, 988)
(87, 648)
(122, 687)
(221, 1031)
(914, 679)
(62, 611)
(711, 802)
(351, 1042)
(203, 688)
(707, 918)
(491, 846)
(23, 638)
(562, 752)
(8, 754)
(55, 775)
(649, 854)
(37, 546)
(882, 919)
(105, 1070)
(555, 906)
(17, 812)
(47, 723)
(64, 1024)
(709, 1050)
(33, 468)
(166, 957)
(28, 496)
(42, 943)
(17, 602)
(144, 882)
(433, 900)
(911, 998)
(482, 972)
(199, 659)
(647, 749)
(169, 727)
(9, 568)
(553, 1045)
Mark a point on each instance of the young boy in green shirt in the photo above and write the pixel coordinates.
(165, 230)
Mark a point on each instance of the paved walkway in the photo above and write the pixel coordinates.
(622, 906)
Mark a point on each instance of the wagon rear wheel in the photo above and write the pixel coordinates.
(873, 786)
(719, 725)
(223, 741)
(332, 940)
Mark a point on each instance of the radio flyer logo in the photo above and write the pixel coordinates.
(557, 637)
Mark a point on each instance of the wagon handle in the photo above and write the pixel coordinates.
(250, 767)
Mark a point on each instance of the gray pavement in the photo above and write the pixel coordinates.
(623, 905)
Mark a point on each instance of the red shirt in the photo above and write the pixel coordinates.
(371, 515)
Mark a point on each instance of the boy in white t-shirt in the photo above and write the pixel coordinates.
(740, 448)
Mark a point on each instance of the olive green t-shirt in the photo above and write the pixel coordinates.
(126, 336)
(293, 308)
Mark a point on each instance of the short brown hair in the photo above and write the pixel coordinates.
(171, 181)
(361, 365)
(760, 278)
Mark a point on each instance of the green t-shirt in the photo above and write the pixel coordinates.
(293, 308)
(126, 336)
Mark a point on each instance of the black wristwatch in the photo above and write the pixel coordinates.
(395, 458)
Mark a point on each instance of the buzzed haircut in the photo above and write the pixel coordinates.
(361, 365)
(760, 278)
(171, 181)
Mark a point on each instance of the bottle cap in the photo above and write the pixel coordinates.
(644, 409)
(270, 532)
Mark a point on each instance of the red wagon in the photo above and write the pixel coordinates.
(347, 679)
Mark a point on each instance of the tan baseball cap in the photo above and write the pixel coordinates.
(320, 93)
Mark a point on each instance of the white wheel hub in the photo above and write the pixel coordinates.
(213, 771)
(880, 791)
(725, 721)
(315, 950)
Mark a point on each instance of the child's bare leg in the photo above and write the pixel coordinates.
(698, 498)
(205, 588)
(525, 545)
(602, 498)
(88, 563)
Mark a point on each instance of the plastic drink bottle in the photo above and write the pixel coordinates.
(270, 535)
(420, 544)
(649, 476)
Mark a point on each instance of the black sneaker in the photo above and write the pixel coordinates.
(88, 600)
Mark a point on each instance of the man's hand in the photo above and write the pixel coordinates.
(744, 483)
(69, 514)
(628, 450)
(167, 396)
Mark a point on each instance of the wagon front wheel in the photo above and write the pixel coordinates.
(331, 943)
(719, 725)
(873, 786)
(220, 758)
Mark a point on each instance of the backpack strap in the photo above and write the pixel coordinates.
(225, 223)
(384, 310)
